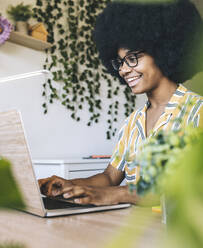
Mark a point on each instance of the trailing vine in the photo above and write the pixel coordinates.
(74, 63)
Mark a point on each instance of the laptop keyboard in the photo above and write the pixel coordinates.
(50, 204)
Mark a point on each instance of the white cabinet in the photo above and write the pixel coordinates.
(69, 168)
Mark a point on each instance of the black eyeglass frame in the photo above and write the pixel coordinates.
(135, 53)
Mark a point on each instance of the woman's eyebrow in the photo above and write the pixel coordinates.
(119, 57)
(131, 51)
(135, 51)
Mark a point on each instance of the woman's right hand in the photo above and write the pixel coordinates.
(54, 185)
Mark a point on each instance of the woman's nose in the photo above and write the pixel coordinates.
(124, 68)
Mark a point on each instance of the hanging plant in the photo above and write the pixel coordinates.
(74, 63)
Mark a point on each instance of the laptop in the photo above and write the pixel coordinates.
(14, 147)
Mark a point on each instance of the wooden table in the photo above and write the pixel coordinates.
(78, 231)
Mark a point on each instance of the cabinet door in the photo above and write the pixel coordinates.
(47, 170)
(83, 173)
(82, 170)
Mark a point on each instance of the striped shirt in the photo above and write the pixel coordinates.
(133, 131)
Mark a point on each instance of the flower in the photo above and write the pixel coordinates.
(5, 29)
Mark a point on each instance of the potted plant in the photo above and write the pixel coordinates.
(20, 14)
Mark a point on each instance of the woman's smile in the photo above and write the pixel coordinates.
(133, 80)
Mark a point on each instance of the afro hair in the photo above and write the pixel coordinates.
(171, 33)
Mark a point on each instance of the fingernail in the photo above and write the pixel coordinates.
(54, 193)
(77, 200)
(66, 195)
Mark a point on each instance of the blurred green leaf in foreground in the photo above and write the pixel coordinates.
(10, 196)
(11, 245)
(184, 190)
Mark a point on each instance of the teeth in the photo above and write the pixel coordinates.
(130, 79)
(133, 78)
(133, 81)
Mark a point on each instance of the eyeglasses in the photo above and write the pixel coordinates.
(131, 59)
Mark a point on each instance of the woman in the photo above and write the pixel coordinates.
(151, 48)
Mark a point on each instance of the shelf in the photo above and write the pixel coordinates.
(28, 41)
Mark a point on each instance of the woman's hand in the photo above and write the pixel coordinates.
(53, 186)
(94, 195)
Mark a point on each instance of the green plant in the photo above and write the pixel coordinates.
(160, 150)
(10, 194)
(158, 153)
(74, 63)
(20, 12)
(185, 189)
(11, 245)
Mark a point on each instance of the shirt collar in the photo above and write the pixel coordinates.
(144, 109)
(175, 100)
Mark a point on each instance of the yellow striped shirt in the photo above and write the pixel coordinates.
(133, 131)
